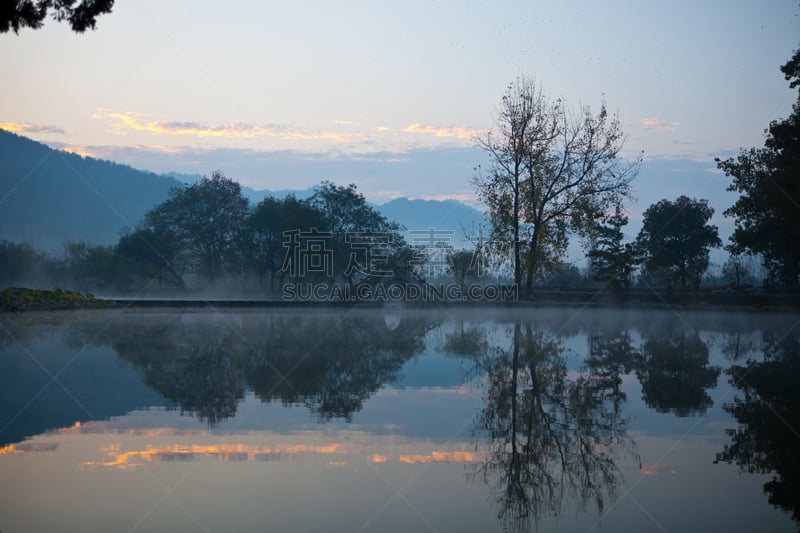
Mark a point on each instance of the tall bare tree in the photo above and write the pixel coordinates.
(551, 171)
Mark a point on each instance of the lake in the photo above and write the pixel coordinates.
(399, 420)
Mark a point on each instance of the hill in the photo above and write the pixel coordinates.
(450, 216)
(48, 197)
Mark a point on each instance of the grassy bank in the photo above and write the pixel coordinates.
(16, 299)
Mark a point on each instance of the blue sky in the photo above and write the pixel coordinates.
(389, 95)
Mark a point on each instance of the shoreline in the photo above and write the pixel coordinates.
(28, 300)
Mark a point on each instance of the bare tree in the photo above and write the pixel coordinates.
(551, 171)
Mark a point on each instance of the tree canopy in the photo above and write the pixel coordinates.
(82, 15)
(206, 218)
(768, 210)
(675, 239)
(551, 170)
(611, 258)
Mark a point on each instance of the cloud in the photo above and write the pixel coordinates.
(29, 127)
(83, 151)
(654, 123)
(459, 132)
(114, 153)
(441, 457)
(134, 121)
(130, 460)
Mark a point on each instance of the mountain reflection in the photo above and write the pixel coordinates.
(768, 412)
(553, 436)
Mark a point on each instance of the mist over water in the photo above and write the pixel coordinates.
(517, 419)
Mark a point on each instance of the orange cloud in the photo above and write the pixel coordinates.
(83, 151)
(458, 132)
(224, 452)
(29, 127)
(440, 457)
(28, 447)
(654, 123)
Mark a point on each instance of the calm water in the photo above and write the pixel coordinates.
(337, 420)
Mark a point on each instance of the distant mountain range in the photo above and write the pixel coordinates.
(49, 197)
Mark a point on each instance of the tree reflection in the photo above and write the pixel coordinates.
(674, 372)
(333, 366)
(554, 436)
(768, 413)
(204, 364)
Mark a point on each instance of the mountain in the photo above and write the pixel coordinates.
(48, 197)
(450, 218)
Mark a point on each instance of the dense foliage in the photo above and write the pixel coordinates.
(768, 210)
(82, 16)
(675, 239)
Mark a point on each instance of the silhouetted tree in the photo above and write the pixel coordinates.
(267, 225)
(152, 255)
(612, 260)
(463, 264)
(361, 239)
(19, 262)
(550, 171)
(740, 269)
(675, 238)
(18, 14)
(91, 267)
(206, 219)
(767, 214)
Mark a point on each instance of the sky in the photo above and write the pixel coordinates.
(389, 95)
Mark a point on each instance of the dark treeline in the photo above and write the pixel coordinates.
(207, 235)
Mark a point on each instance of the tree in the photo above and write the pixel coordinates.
(462, 264)
(206, 219)
(768, 211)
(740, 269)
(153, 254)
(675, 238)
(611, 259)
(550, 171)
(90, 267)
(17, 14)
(18, 262)
(362, 240)
(266, 227)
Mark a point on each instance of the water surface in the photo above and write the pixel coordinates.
(399, 420)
